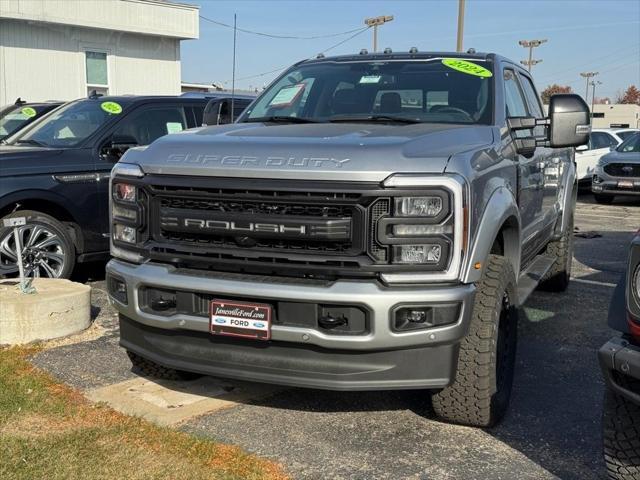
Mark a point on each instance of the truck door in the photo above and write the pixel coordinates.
(140, 127)
(530, 170)
(554, 161)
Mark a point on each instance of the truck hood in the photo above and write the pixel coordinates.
(621, 157)
(360, 152)
(18, 160)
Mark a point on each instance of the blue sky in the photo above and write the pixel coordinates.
(582, 36)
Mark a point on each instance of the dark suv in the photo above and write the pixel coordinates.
(56, 174)
(21, 114)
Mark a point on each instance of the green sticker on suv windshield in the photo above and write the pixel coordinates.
(29, 112)
(111, 107)
(469, 68)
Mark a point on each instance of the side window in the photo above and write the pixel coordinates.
(198, 112)
(147, 124)
(601, 140)
(513, 96)
(533, 101)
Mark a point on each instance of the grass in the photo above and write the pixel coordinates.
(49, 430)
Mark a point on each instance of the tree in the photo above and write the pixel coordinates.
(630, 96)
(552, 90)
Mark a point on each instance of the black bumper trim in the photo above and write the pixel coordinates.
(618, 356)
(291, 364)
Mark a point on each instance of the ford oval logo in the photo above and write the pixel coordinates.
(258, 325)
(220, 320)
(627, 169)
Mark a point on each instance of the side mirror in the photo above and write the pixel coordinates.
(582, 148)
(569, 122)
(118, 144)
(217, 112)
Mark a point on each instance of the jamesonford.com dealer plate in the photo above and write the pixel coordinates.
(240, 319)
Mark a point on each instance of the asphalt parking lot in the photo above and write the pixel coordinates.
(552, 429)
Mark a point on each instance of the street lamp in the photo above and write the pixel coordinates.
(531, 44)
(593, 98)
(375, 22)
(587, 75)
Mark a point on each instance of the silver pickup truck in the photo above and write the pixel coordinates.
(370, 222)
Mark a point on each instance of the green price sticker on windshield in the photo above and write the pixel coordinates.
(467, 67)
(111, 107)
(29, 112)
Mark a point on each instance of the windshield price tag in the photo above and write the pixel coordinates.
(369, 79)
(287, 95)
(111, 107)
(467, 67)
(28, 112)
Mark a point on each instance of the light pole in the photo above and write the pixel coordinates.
(531, 44)
(593, 98)
(587, 76)
(375, 22)
(460, 25)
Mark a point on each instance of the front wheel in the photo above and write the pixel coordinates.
(47, 249)
(480, 393)
(621, 437)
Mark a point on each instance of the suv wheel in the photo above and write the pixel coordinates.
(152, 369)
(621, 437)
(479, 395)
(604, 199)
(47, 247)
(561, 250)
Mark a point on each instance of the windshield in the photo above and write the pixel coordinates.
(13, 119)
(68, 126)
(631, 144)
(424, 90)
(626, 134)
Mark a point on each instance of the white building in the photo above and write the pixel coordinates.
(616, 115)
(63, 49)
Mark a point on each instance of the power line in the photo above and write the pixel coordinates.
(271, 35)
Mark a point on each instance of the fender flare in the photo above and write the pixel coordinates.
(500, 209)
(569, 194)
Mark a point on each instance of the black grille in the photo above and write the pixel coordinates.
(622, 169)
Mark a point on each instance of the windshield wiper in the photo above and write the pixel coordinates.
(282, 119)
(373, 118)
(31, 142)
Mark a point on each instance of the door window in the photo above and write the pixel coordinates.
(513, 96)
(146, 125)
(601, 140)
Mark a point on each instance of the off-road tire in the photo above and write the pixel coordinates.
(603, 199)
(479, 395)
(151, 369)
(621, 437)
(559, 275)
(54, 226)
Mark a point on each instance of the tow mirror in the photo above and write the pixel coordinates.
(217, 112)
(569, 123)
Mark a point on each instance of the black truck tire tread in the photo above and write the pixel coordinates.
(559, 275)
(621, 437)
(149, 368)
(470, 399)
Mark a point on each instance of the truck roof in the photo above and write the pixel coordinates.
(401, 56)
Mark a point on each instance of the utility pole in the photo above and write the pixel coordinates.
(531, 44)
(460, 25)
(233, 78)
(593, 98)
(588, 75)
(375, 22)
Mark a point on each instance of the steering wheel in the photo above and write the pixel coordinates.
(448, 109)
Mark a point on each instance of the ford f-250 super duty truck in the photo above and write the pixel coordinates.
(370, 222)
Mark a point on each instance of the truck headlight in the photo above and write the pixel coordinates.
(418, 206)
(119, 211)
(417, 254)
(124, 192)
(124, 233)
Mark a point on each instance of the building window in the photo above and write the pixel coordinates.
(597, 114)
(97, 72)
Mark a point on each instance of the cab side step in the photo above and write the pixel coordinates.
(531, 277)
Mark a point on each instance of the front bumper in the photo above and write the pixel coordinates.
(620, 360)
(605, 184)
(379, 359)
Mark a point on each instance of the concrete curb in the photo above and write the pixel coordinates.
(59, 308)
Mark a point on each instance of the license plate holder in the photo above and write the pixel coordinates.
(240, 319)
(625, 183)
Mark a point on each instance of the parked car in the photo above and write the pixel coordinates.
(55, 173)
(370, 222)
(624, 133)
(620, 362)
(21, 114)
(618, 172)
(601, 141)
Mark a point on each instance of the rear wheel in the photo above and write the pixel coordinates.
(480, 393)
(621, 437)
(47, 249)
(603, 199)
(561, 250)
(151, 369)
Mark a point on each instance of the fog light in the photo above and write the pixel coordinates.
(124, 192)
(417, 317)
(123, 233)
(117, 289)
(126, 213)
(417, 254)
